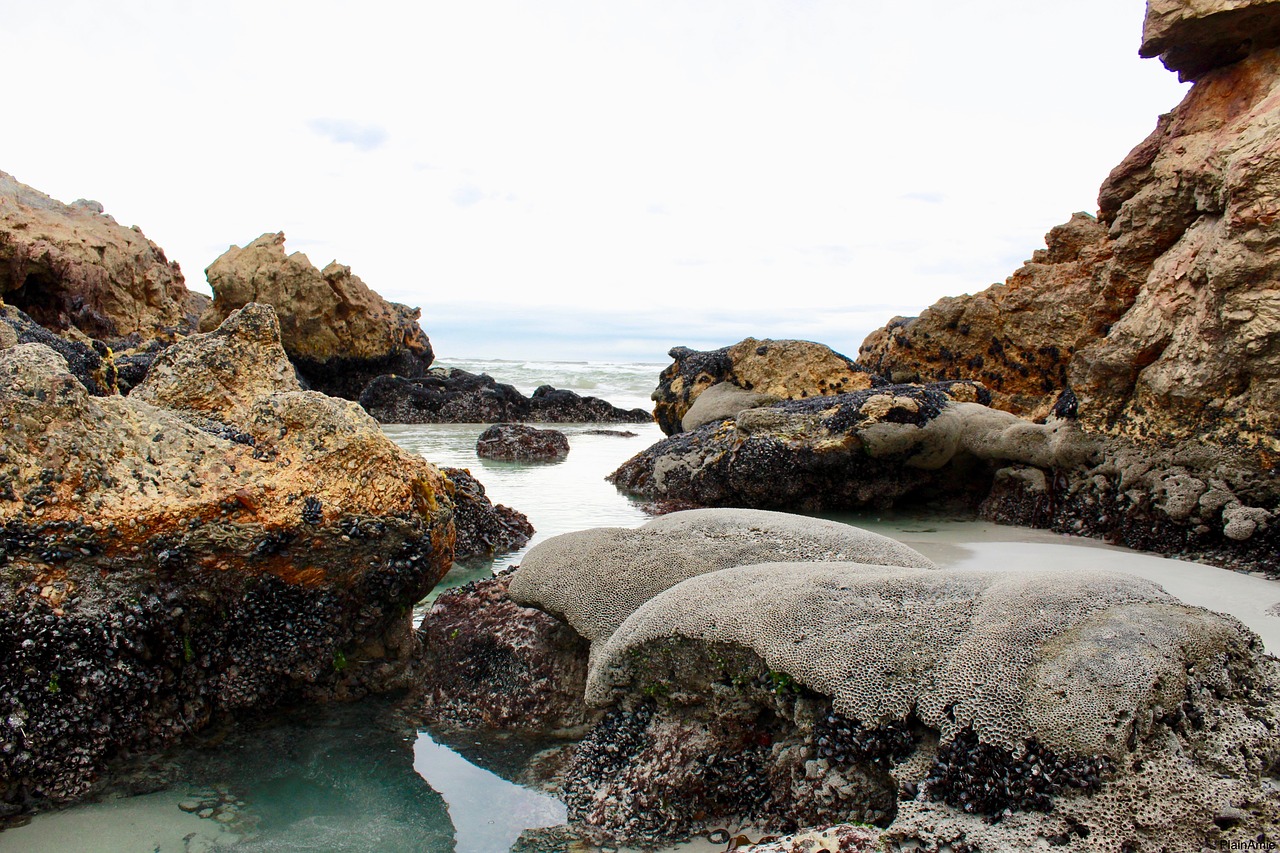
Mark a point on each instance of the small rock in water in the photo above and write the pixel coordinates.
(190, 805)
(206, 813)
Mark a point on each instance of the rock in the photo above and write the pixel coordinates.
(522, 443)
(484, 530)
(1159, 317)
(338, 332)
(456, 396)
(1193, 37)
(594, 579)
(720, 402)
(939, 705)
(97, 374)
(490, 663)
(216, 541)
(842, 838)
(783, 369)
(73, 267)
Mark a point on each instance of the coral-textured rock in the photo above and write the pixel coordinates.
(783, 369)
(337, 331)
(522, 443)
(490, 663)
(454, 396)
(1196, 36)
(74, 267)
(945, 705)
(483, 530)
(216, 541)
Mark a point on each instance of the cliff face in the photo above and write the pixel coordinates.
(73, 267)
(1162, 315)
(338, 331)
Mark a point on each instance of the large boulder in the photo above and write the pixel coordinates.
(88, 362)
(338, 331)
(1161, 317)
(74, 267)
(784, 370)
(452, 395)
(217, 541)
(955, 709)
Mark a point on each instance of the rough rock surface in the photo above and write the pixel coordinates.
(594, 579)
(455, 396)
(949, 706)
(1195, 36)
(522, 443)
(1162, 318)
(483, 529)
(74, 267)
(783, 369)
(338, 332)
(490, 663)
(842, 838)
(85, 361)
(216, 541)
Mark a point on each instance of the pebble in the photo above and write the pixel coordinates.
(206, 813)
(190, 805)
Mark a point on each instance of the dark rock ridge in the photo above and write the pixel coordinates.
(455, 396)
(522, 443)
(484, 530)
(338, 332)
(219, 540)
(781, 370)
(73, 267)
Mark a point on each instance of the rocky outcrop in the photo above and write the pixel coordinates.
(218, 540)
(455, 396)
(1196, 36)
(483, 530)
(1161, 317)
(489, 663)
(785, 370)
(522, 443)
(87, 362)
(73, 267)
(338, 332)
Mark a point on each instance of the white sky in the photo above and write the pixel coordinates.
(591, 179)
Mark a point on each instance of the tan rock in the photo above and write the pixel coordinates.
(74, 267)
(783, 369)
(337, 330)
(1195, 36)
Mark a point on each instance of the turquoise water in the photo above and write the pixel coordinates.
(356, 777)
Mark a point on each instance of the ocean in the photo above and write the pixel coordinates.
(334, 779)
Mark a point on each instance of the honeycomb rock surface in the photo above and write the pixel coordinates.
(335, 328)
(218, 541)
(594, 579)
(784, 369)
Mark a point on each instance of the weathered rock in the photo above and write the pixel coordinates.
(842, 838)
(338, 332)
(1196, 36)
(74, 267)
(456, 396)
(871, 447)
(722, 401)
(945, 705)
(483, 530)
(216, 541)
(783, 369)
(1162, 318)
(522, 443)
(490, 663)
(85, 361)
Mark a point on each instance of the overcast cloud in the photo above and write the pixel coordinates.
(593, 179)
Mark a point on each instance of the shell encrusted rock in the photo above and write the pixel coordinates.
(594, 579)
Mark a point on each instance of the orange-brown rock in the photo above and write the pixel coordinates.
(1167, 325)
(784, 369)
(217, 540)
(338, 331)
(73, 267)
(1195, 36)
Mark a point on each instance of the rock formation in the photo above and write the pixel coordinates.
(483, 530)
(218, 540)
(73, 267)
(1162, 316)
(338, 332)
(522, 443)
(86, 361)
(455, 396)
(785, 370)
